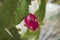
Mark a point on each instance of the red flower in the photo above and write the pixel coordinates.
(31, 22)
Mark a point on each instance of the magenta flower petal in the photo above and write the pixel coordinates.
(30, 22)
(34, 25)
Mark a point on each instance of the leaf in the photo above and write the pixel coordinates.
(12, 12)
(15, 34)
(4, 35)
(7, 19)
(22, 10)
(28, 35)
(40, 13)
